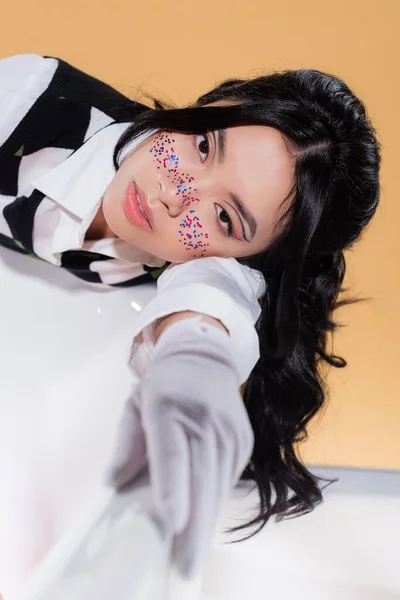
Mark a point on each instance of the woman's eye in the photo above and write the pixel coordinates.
(224, 215)
(204, 146)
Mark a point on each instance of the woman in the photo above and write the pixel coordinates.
(267, 180)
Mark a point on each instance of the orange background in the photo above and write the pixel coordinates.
(178, 50)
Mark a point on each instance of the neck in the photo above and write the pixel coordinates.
(98, 228)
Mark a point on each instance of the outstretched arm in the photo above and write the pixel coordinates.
(187, 422)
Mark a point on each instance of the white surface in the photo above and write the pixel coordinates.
(64, 349)
(64, 379)
(346, 549)
(114, 551)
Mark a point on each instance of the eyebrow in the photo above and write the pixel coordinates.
(246, 214)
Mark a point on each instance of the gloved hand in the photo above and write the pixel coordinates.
(187, 421)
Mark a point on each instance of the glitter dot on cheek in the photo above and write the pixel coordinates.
(165, 156)
(193, 224)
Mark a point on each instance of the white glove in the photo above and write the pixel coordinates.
(187, 421)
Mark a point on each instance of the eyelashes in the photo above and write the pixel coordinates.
(228, 230)
(206, 138)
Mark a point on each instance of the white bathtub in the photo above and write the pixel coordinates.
(64, 380)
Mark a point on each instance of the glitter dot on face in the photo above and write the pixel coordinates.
(164, 155)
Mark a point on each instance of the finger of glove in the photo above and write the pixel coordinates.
(130, 452)
(239, 447)
(209, 477)
(169, 469)
(236, 439)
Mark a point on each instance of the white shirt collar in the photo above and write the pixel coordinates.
(78, 184)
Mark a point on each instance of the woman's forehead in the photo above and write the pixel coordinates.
(261, 169)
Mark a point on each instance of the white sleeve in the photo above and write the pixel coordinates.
(23, 78)
(219, 287)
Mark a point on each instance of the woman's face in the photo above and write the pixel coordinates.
(191, 183)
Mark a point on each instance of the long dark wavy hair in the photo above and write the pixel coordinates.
(336, 193)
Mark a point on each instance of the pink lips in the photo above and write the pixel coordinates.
(138, 215)
(144, 204)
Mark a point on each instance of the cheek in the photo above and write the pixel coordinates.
(191, 235)
(192, 238)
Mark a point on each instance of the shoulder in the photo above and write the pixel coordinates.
(56, 89)
(24, 73)
(221, 289)
(23, 79)
(225, 273)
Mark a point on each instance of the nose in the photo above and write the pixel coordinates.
(176, 199)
